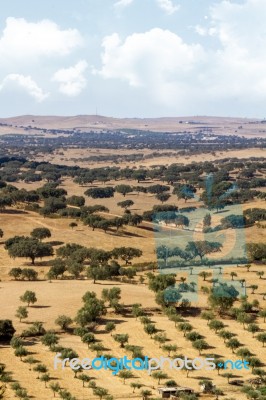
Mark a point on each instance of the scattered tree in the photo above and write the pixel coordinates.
(125, 374)
(22, 313)
(64, 322)
(41, 233)
(121, 338)
(29, 297)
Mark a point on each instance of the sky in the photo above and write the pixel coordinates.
(133, 58)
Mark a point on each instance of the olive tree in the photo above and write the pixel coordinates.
(29, 297)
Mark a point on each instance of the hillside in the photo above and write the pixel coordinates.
(190, 124)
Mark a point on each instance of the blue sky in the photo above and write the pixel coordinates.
(133, 58)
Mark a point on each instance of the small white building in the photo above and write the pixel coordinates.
(168, 392)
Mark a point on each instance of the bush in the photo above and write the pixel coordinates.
(6, 330)
(36, 329)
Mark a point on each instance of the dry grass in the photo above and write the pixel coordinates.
(64, 297)
(73, 156)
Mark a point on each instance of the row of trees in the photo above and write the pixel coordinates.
(249, 171)
(193, 249)
(221, 300)
(86, 316)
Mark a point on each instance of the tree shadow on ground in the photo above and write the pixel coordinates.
(40, 306)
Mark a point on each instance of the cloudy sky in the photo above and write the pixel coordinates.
(133, 58)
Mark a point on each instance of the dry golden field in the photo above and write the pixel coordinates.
(58, 297)
(74, 157)
(64, 296)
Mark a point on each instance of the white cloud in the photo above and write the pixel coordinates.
(241, 25)
(238, 67)
(200, 30)
(72, 80)
(25, 40)
(122, 3)
(158, 54)
(205, 31)
(168, 6)
(157, 60)
(224, 73)
(26, 83)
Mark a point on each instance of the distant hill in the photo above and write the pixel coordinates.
(217, 125)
